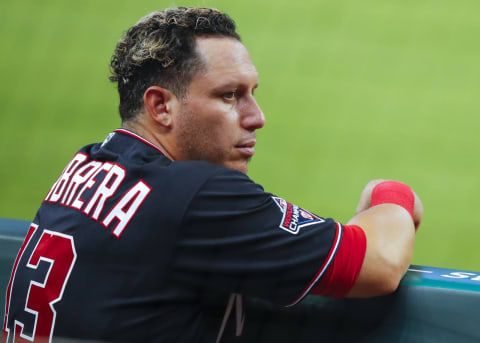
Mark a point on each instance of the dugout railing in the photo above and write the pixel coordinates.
(431, 305)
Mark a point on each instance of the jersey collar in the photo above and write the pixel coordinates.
(140, 138)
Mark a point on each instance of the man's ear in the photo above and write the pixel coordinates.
(158, 104)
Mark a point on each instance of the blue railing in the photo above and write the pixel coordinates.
(431, 305)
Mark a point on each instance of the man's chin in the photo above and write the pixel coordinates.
(241, 166)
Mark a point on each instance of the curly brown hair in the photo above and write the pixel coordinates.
(160, 50)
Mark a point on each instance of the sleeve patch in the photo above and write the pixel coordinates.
(293, 217)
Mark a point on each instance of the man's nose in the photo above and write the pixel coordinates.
(252, 116)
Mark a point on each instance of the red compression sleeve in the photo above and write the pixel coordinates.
(344, 269)
(393, 192)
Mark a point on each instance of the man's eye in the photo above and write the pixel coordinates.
(230, 96)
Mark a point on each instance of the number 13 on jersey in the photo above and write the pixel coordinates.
(30, 310)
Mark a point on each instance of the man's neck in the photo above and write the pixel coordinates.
(148, 133)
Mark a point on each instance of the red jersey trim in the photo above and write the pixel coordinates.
(342, 274)
(323, 268)
(140, 138)
(31, 231)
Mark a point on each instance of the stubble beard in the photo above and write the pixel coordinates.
(198, 140)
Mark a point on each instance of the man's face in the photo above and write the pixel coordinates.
(219, 116)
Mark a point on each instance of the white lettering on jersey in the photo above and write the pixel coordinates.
(78, 202)
(105, 190)
(126, 208)
(77, 179)
(59, 186)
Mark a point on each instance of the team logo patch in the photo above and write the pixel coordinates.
(110, 136)
(294, 218)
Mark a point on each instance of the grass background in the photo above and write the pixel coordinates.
(352, 91)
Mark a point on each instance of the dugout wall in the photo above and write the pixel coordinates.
(431, 305)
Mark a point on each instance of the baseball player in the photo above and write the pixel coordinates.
(142, 233)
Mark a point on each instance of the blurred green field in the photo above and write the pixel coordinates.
(352, 90)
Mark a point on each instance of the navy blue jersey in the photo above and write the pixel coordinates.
(129, 246)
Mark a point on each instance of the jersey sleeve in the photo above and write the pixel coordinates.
(236, 237)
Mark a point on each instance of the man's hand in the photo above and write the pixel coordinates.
(377, 243)
(390, 234)
(366, 200)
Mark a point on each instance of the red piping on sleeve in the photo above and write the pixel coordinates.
(325, 265)
(343, 272)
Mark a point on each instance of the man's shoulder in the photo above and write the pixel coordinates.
(200, 166)
(207, 171)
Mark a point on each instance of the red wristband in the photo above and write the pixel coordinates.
(393, 192)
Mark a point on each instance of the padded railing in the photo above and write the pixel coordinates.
(431, 305)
